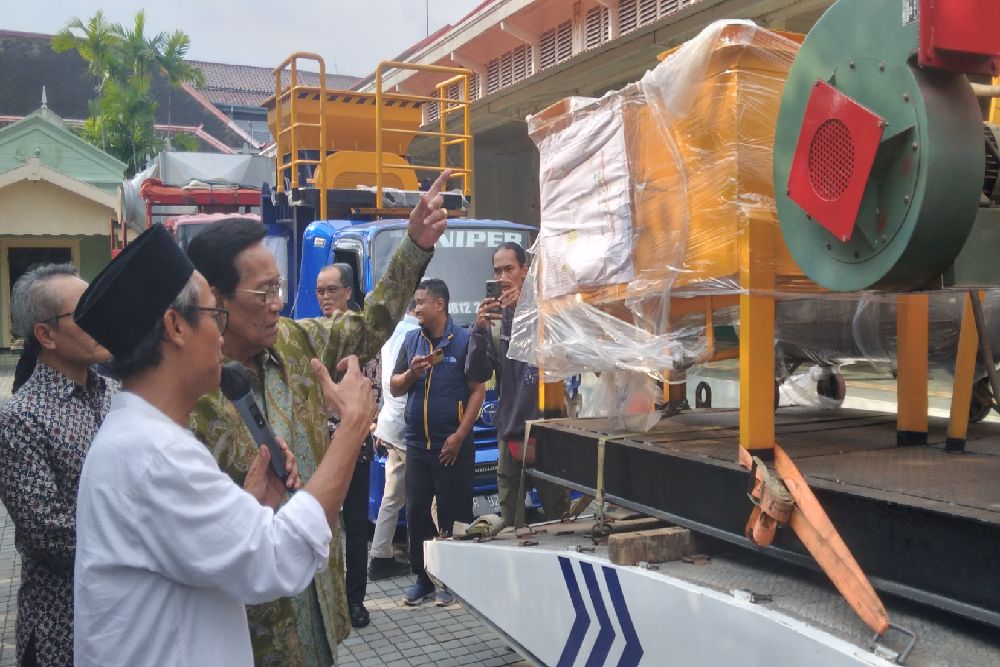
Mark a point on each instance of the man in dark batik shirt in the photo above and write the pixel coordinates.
(45, 431)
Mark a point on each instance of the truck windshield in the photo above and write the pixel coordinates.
(187, 232)
(463, 259)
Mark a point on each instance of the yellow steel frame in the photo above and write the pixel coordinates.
(912, 328)
(757, 246)
(448, 106)
(965, 370)
(287, 138)
(994, 116)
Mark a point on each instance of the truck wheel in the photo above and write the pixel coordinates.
(832, 385)
(982, 401)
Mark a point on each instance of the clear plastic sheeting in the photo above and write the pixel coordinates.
(650, 194)
(839, 328)
(627, 399)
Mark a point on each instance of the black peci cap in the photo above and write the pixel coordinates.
(131, 293)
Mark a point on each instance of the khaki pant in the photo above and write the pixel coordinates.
(555, 498)
(392, 501)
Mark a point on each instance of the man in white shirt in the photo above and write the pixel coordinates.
(169, 549)
(389, 433)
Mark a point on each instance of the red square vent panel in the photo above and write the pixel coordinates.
(837, 145)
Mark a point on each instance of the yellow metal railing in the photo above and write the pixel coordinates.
(994, 116)
(287, 137)
(448, 106)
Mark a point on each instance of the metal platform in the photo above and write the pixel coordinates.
(923, 524)
(684, 625)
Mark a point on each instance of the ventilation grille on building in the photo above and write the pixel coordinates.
(627, 18)
(454, 92)
(508, 69)
(597, 27)
(474, 87)
(635, 13)
(556, 45)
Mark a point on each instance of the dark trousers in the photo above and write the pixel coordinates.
(427, 477)
(356, 533)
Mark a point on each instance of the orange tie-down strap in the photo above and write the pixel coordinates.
(814, 528)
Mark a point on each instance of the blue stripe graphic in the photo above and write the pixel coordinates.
(582, 622)
(606, 634)
(633, 649)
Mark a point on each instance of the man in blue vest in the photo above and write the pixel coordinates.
(444, 389)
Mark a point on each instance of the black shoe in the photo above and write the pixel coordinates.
(385, 568)
(359, 615)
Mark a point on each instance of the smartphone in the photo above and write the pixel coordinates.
(493, 289)
(437, 356)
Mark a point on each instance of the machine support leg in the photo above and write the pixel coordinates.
(965, 369)
(911, 368)
(984, 344)
(757, 375)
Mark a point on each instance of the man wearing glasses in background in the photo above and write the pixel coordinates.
(244, 277)
(45, 431)
(333, 292)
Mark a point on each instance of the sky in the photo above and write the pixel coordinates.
(351, 35)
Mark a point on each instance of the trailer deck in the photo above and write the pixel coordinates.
(923, 523)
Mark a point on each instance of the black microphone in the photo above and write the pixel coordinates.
(236, 388)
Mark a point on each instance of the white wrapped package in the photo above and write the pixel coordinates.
(587, 232)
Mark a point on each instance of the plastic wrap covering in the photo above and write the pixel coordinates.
(203, 170)
(648, 195)
(627, 399)
(840, 328)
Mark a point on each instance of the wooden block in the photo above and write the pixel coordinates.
(632, 525)
(652, 546)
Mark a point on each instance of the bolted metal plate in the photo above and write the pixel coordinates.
(960, 35)
(837, 145)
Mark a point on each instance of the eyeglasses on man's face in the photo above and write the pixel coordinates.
(271, 293)
(332, 291)
(55, 318)
(220, 315)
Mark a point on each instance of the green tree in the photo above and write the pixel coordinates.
(125, 61)
(175, 67)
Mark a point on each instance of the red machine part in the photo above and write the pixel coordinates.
(960, 35)
(837, 144)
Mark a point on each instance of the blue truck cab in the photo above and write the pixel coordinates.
(463, 258)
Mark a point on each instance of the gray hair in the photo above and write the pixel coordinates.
(33, 300)
(147, 352)
(345, 270)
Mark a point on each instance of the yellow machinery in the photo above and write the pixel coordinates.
(701, 194)
(660, 213)
(331, 139)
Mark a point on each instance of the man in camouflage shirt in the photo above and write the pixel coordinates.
(45, 431)
(305, 630)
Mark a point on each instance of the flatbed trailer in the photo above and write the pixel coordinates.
(562, 602)
(923, 523)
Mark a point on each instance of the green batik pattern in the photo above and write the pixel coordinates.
(304, 631)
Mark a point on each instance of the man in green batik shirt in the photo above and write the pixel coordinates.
(305, 630)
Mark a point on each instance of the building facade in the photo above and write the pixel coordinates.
(58, 200)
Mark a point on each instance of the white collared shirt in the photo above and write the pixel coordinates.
(390, 425)
(169, 549)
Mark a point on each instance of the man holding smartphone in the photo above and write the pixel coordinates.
(517, 386)
(444, 389)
